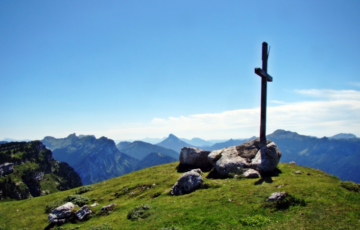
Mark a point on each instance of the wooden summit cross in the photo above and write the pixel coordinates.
(265, 77)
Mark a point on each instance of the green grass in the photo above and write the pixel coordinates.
(229, 203)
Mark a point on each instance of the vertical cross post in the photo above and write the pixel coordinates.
(265, 77)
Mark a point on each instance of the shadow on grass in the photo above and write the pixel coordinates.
(215, 175)
(263, 179)
(266, 177)
(185, 168)
(50, 226)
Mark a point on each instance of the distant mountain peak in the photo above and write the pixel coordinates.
(174, 143)
(172, 136)
(343, 136)
(282, 131)
(72, 135)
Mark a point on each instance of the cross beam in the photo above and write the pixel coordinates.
(262, 73)
(265, 77)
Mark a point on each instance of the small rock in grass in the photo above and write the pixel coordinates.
(108, 207)
(81, 213)
(94, 204)
(251, 173)
(277, 196)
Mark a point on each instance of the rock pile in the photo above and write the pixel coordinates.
(250, 159)
(65, 212)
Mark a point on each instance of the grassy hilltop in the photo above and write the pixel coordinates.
(230, 203)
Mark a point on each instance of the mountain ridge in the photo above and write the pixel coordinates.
(94, 159)
(140, 149)
(339, 157)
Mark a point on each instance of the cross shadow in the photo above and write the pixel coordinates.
(266, 177)
(50, 226)
(215, 175)
(263, 179)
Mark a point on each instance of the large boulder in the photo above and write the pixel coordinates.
(187, 183)
(195, 158)
(237, 159)
(60, 214)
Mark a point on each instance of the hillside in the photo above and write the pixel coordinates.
(229, 203)
(139, 150)
(153, 159)
(94, 159)
(28, 169)
(339, 157)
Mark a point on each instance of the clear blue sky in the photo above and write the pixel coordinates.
(135, 69)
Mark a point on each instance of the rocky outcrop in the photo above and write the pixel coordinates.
(6, 169)
(39, 176)
(195, 158)
(60, 214)
(251, 154)
(32, 163)
(187, 183)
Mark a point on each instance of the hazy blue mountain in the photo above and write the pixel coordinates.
(147, 140)
(123, 145)
(197, 142)
(153, 159)
(343, 136)
(29, 170)
(15, 140)
(339, 157)
(215, 141)
(139, 149)
(94, 159)
(152, 140)
(228, 143)
(174, 143)
(3, 142)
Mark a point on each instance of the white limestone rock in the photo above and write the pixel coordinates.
(60, 214)
(187, 183)
(195, 158)
(277, 196)
(251, 173)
